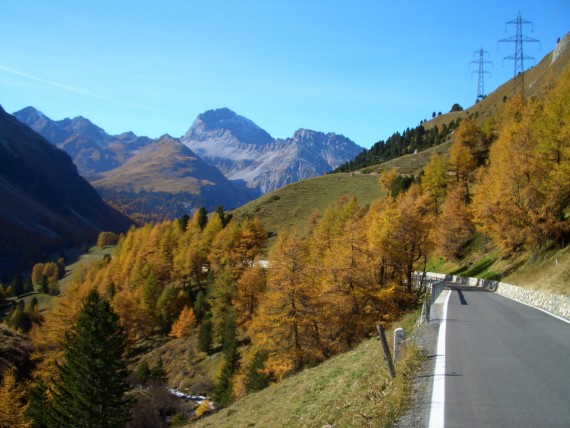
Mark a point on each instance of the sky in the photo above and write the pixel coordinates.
(363, 69)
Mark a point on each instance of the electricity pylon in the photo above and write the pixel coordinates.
(481, 72)
(519, 39)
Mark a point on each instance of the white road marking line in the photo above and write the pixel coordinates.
(437, 410)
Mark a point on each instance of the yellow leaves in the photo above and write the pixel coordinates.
(185, 324)
(521, 199)
(48, 338)
(12, 409)
(387, 178)
(434, 181)
(250, 287)
(454, 226)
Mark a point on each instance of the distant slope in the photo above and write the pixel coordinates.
(46, 205)
(170, 180)
(291, 205)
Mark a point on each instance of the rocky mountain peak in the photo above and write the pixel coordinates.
(32, 115)
(225, 122)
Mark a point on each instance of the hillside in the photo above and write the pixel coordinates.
(170, 179)
(349, 390)
(92, 150)
(290, 206)
(537, 80)
(46, 204)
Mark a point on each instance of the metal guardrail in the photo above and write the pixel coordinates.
(436, 289)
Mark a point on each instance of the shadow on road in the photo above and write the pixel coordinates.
(465, 288)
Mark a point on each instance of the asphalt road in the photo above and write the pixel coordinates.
(506, 364)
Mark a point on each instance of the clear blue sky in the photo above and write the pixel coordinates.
(364, 69)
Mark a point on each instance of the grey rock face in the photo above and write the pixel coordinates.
(246, 153)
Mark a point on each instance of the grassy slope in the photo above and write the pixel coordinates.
(45, 301)
(549, 271)
(291, 205)
(349, 390)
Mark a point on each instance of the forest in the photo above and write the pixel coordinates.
(399, 144)
(317, 292)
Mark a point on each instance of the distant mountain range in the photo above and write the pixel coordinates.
(93, 150)
(223, 159)
(246, 153)
(45, 204)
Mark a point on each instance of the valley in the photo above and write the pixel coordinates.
(238, 267)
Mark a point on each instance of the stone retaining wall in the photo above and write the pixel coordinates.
(553, 303)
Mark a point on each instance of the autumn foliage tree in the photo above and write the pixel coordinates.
(523, 195)
(12, 406)
(185, 324)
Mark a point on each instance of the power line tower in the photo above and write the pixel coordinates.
(519, 39)
(481, 72)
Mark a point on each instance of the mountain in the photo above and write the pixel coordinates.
(147, 179)
(93, 150)
(46, 205)
(248, 155)
(168, 178)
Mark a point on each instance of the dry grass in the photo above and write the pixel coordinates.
(291, 205)
(409, 164)
(549, 271)
(545, 274)
(349, 390)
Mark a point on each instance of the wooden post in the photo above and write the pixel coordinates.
(426, 306)
(386, 349)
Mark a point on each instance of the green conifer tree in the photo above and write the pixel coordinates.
(205, 336)
(18, 285)
(202, 217)
(91, 386)
(256, 379)
(223, 391)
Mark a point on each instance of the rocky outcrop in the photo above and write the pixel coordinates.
(247, 154)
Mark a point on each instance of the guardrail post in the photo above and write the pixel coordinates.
(399, 343)
(427, 306)
(386, 349)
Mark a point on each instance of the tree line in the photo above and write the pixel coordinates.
(399, 144)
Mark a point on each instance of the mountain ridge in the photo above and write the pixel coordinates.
(46, 204)
(249, 157)
(272, 164)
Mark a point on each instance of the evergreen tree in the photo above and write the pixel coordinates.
(17, 285)
(200, 306)
(28, 286)
(256, 378)
(91, 386)
(202, 217)
(143, 372)
(183, 221)
(205, 336)
(158, 373)
(36, 410)
(43, 288)
(223, 391)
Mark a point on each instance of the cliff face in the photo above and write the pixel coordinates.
(247, 154)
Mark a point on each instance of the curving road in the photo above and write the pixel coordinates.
(504, 365)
